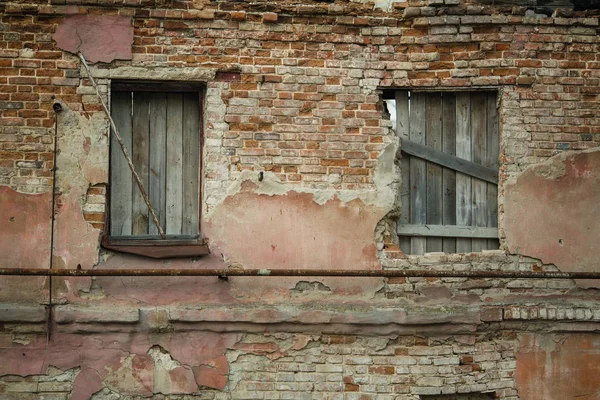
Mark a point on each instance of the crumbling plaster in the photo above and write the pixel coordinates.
(126, 337)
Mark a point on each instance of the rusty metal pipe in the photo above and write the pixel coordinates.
(300, 273)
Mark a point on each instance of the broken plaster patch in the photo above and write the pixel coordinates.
(552, 212)
(100, 38)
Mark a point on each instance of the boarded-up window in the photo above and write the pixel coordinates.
(161, 131)
(450, 149)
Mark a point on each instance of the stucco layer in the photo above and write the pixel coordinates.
(560, 367)
(25, 224)
(101, 38)
(294, 231)
(552, 212)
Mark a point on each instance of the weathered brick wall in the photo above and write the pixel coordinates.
(294, 89)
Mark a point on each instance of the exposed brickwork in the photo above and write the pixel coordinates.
(307, 106)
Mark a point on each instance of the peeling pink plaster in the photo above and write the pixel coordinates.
(25, 226)
(100, 38)
(558, 367)
(87, 382)
(207, 376)
(293, 231)
(122, 362)
(552, 212)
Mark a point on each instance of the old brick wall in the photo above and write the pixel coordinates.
(293, 89)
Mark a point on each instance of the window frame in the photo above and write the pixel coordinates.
(422, 152)
(174, 246)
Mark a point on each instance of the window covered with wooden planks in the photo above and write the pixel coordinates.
(161, 131)
(449, 163)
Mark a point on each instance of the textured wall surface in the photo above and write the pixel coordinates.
(299, 170)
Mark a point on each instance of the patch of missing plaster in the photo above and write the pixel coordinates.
(170, 376)
(305, 286)
(94, 292)
(105, 394)
(552, 168)
(384, 195)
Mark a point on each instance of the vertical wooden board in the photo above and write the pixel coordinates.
(158, 155)
(140, 158)
(433, 139)
(492, 161)
(448, 175)
(479, 156)
(463, 182)
(120, 176)
(174, 206)
(191, 162)
(402, 129)
(418, 170)
(402, 116)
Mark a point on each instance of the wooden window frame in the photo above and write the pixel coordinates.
(174, 246)
(446, 161)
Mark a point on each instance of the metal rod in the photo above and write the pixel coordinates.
(118, 137)
(300, 273)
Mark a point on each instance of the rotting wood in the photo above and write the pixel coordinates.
(448, 231)
(478, 151)
(433, 139)
(450, 161)
(157, 175)
(449, 175)
(418, 176)
(174, 209)
(115, 132)
(121, 179)
(463, 181)
(402, 129)
(191, 162)
(140, 158)
(492, 161)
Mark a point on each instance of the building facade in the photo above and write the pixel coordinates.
(432, 136)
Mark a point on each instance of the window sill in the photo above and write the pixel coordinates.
(152, 248)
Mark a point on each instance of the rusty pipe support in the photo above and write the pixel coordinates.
(301, 273)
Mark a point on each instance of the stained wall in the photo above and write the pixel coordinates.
(293, 90)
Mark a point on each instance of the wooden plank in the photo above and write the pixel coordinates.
(448, 175)
(418, 181)
(140, 158)
(158, 162)
(121, 180)
(492, 161)
(463, 181)
(450, 161)
(433, 139)
(402, 116)
(454, 231)
(174, 206)
(478, 154)
(402, 129)
(191, 162)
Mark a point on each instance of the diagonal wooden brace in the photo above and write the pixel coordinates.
(118, 137)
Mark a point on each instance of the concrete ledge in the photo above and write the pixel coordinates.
(198, 74)
(74, 314)
(328, 315)
(22, 313)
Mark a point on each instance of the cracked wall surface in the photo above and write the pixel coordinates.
(299, 170)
